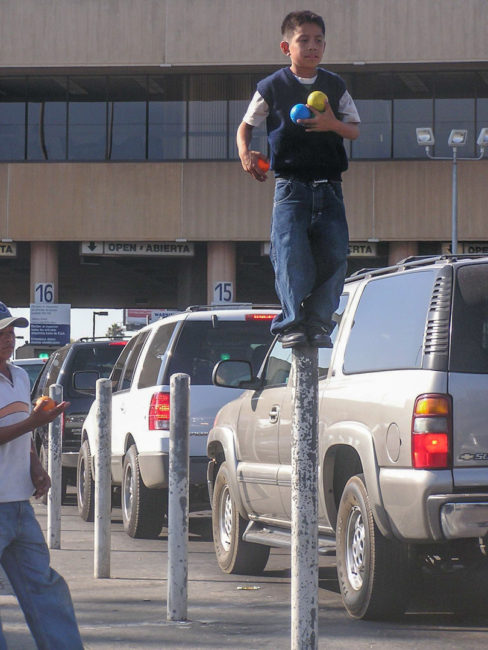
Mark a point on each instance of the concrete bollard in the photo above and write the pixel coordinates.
(304, 500)
(54, 468)
(103, 479)
(178, 497)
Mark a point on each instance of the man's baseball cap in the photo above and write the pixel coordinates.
(6, 318)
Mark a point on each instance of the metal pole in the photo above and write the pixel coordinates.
(454, 236)
(304, 500)
(178, 497)
(54, 466)
(103, 483)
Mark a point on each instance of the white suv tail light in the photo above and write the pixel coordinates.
(431, 432)
(159, 412)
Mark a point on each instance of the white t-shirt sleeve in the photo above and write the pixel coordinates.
(257, 111)
(347, 109)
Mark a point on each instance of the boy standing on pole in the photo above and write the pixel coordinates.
(309, 234)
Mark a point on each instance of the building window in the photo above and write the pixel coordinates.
(453, 114)
(375, 129)
(408, 114)
(195, 116)
(12, 130)
(87, 134)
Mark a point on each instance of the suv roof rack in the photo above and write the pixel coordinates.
(101, 338)
(231, 305)
(411, 262)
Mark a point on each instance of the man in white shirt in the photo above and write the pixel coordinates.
(42, 593)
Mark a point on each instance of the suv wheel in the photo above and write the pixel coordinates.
(85, 485)
(143, 509)
(234, 555)
(372, 570)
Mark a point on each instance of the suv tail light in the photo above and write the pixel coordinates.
(159, 412)
(260, 316)
(431, 432)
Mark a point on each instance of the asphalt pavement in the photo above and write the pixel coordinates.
(128, 610)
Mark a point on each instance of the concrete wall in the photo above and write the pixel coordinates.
(74, 33)
(391, 200)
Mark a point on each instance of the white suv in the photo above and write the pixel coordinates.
(191, 342)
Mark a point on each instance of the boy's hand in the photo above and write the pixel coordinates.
(249, 162)
(321, 121)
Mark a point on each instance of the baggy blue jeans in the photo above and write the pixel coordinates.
(309, 242)
(42, 593)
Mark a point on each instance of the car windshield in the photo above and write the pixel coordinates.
(469, 334)
(202, 344)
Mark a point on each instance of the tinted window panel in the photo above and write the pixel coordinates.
(408, 115)
(99, 358)
(389, 324)
(46, 135)
(469, 336)
(155, 355)
(130, 366)
(200, 346)
(87, 130)
(12, 130)
(375, 140)
(120, 363)
(167, 130)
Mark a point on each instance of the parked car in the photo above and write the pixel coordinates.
(71, 366)
(32, 366)
(189, 342)
(403, 440)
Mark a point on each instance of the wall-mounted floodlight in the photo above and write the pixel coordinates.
(458, 138)
(425, 137)
(482, 140)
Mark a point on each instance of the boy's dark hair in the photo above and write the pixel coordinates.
(297, 18)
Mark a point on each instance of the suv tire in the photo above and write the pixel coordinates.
(372, 570)
(234, 555)
(85, 485)
(143, 509)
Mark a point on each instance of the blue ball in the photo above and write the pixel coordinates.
(300, 112)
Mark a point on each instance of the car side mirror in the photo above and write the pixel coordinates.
(234, 374)
(85, 380)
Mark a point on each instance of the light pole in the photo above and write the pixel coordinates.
(98, 313)
(457, 138)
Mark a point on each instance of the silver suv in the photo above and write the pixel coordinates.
(191, 342)
(403, 436)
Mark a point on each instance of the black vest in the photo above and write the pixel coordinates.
(294, 152)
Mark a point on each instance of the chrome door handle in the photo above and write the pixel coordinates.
(274, 414)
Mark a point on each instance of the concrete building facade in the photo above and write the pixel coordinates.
(119, 176)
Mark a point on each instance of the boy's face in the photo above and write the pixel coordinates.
(305, 47)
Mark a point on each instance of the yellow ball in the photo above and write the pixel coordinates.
(317, 100)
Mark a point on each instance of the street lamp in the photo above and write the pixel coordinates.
(457, 138)
(98, 313)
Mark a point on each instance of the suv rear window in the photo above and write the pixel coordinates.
(469, 333)
(99, 358)
(201, 344)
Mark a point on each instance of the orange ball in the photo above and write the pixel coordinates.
(263, 165)
(46, 403)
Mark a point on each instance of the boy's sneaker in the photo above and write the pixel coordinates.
(293, 337)
(318, 337)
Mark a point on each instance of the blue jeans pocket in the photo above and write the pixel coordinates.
(284, 190)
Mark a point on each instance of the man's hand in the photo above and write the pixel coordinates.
(39, 477)
(38, 416)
